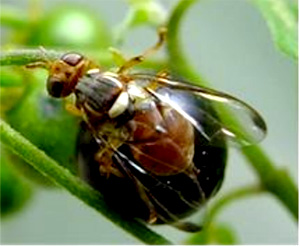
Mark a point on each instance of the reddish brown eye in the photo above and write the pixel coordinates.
(72, 59)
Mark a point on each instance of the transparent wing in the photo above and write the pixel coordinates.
(227, 117)
(158, 190)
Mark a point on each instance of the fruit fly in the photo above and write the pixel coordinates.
(156, 147)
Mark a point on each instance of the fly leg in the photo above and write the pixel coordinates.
(38, 64)
(104, 158)
(106, 166)
(140, 58)
(143, 195)
(153, 83)
(187, 226)
(71, 108)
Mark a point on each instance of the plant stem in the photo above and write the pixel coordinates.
(174, 49)
(230, 197)
(51, 169)
(26, 56)
(278, 182)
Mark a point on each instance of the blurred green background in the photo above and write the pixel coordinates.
(230, 45)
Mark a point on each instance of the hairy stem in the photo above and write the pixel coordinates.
(26, 56)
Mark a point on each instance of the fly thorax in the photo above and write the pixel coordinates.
(106, 104)
(97, 93)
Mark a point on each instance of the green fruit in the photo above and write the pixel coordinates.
(71, 27)
(45, 122)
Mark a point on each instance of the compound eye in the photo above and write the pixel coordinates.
(55, 87)
(72, 59)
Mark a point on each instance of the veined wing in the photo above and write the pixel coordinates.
(229, 118)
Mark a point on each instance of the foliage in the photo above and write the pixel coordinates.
(282, 19)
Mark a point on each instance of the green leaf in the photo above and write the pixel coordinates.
(281, 17)
(149, 12)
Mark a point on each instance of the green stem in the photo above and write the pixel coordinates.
(173, 44)
(276, 181)
(51, 169)
(230, 197)
(26, 56)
